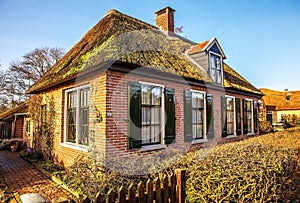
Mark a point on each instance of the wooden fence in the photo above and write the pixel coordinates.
(171, 189)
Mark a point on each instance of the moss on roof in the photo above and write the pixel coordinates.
(118, 37)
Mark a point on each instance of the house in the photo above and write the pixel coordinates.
(14, 123)
(130, 87)
(278, 104)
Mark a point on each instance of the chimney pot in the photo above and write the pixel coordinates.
(165, 19)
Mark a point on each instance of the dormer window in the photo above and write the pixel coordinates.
(216, 67)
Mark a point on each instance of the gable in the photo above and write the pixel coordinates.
(214, 48)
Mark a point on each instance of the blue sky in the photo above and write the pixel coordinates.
(259, 37)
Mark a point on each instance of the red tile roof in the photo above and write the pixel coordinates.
(199, 47)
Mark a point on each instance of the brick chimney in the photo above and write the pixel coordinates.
(165, 19)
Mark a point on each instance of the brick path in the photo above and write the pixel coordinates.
(21, 177)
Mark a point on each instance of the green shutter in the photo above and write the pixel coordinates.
(134, 108)
(209, 116)
(255, 116)
(224, 115)
(245, 123)
(170, 115)
(188, 131)
(238, 116)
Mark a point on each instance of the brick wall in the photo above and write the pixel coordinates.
(109, 114)
(117, 109)
(64, 154)
(19, 127)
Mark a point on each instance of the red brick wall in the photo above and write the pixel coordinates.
(117, 108)
(19, 125)
(109, 95)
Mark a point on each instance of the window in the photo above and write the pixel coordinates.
(77, 115)
(231, 116)
(27, 126)
(151, 115)
(198, 116)
(216, 68)
(248, 116)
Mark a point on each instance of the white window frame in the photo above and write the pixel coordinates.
(204, 139)
(234, 117)
(75, 145)
(221, 66)
(252, 117)
(162, 144)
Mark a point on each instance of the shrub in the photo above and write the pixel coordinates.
(265, 127)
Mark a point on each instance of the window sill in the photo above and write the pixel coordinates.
(152, 147)
(231, 136)
(199, 141)
(82, 148)
(249, 134)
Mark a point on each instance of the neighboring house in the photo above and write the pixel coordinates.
(131, 87)
(278, 104)
(14, 123)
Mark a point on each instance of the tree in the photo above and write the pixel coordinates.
(24, 73)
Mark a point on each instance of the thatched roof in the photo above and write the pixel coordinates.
(9, 114)
(121, 38)
(234, 80)
(282, 100)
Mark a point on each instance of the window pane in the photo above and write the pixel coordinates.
(197, 100)
(219, 77)
(156, 96)
(230, 128)
(146, 116)
(229, 103)
(213, 74)
(146, 95)
(155, 115)
(155, 134)
(71, 126)
(218, 64)
(145, 134)
(212, 61)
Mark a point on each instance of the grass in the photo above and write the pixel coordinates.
(259, 169)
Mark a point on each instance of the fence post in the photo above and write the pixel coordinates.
(181, 185)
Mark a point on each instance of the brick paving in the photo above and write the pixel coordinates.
(20, 177)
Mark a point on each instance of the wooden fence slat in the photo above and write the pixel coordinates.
(181, 185)
(157, 187)
(171, 189)
(141, 192)
(121, 195)
(149, 191)
(110, 196)
(131, 194)
(165, 189)
(86, 200)
(99, 198)
(172, 185)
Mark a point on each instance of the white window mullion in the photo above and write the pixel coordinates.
(162, 111)
(234, 117)
(77, 115)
